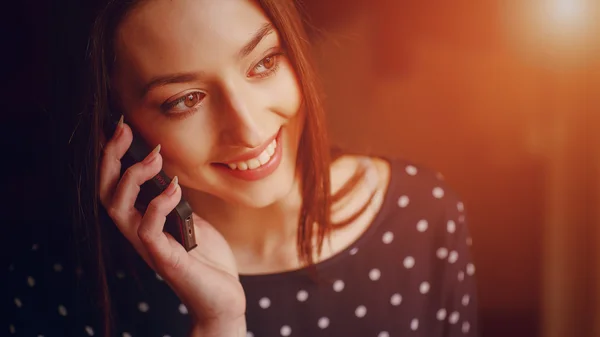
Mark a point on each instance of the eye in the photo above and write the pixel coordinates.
(266, 66)
(192, 99)
(185, 102)
(267, 63)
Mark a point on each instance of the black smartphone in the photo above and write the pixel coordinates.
(179, 223)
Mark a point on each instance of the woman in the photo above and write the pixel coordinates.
(291, 241)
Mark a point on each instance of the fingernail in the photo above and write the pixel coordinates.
(152, 155)
(119, 128)
(172, 186)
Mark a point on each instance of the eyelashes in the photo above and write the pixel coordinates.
(190, 102)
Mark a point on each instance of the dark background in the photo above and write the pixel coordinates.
(500, 96)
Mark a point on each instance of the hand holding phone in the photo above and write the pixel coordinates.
(179, 222)
(205, 278)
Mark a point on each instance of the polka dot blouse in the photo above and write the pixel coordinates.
(409, 274)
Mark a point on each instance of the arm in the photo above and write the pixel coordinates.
(461, 312)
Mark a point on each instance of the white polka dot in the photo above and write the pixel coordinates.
(460, 206)
(183, 309)
(403, 201)
(465, 300)
(441, 314)
(470, 269)
(353, 251)
(422, 225)
(469, 241)
(453, 257)
(338, 285)
(424, 288)
(323, 322)
(18, 302)
(451, 226)
(438, 192)
(454, 316)
(35, 246)
(264, 302)
(388, 237)
(166, 335)
(120, 274)
(414, 324)
(30, 281)
(461, 219)
(40, 336)
(409, 262)
(302, 295)
(360, 311)
(461, 275)
(411, 170)
(143, 306)
(374, 274)
(58, 267)
(286, 330)
(89, 330)
(466, 327)
(126, 334)
(396, 299)
(62, 310)
(158, 277)
(249, 334)
(12, 329)
(442, 253)
(383, 334)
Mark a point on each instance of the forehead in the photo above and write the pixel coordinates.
(171, 34)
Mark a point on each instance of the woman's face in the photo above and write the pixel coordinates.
(208, 80)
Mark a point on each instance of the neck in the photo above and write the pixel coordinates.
(256, 232)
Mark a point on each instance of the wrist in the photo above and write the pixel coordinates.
(223, 328)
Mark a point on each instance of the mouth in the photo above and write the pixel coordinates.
(258, 163)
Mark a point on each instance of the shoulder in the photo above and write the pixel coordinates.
(419, 195)
(46, 289)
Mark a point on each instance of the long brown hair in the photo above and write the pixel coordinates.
(314, 157)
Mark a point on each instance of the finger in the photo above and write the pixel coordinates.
(126, 216)
(150, 231)
(110, 164)
(123, 209)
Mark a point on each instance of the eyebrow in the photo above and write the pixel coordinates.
(260, 34)
(159, 81)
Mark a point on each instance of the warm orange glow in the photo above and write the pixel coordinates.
(555, 32)
(570, 16)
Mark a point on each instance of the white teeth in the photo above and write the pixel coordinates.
(254, 163)
(271, 149)
(264, 157)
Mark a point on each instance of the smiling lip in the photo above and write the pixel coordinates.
(263, 170)
(252, 153)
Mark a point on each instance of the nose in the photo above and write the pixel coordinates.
(239, 119)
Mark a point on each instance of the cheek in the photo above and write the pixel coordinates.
(187, 153)
(286, 91)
